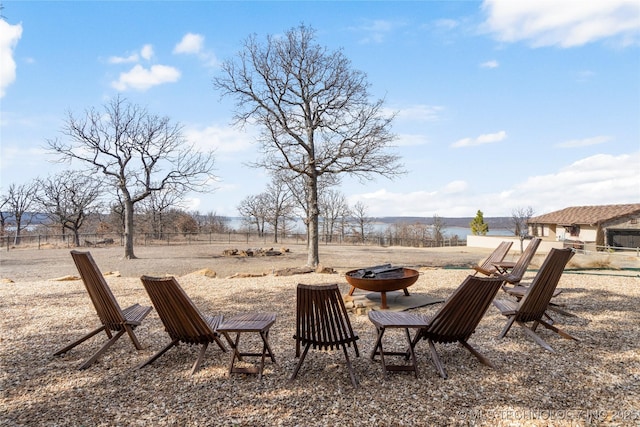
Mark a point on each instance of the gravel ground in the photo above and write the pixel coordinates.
(595, 381)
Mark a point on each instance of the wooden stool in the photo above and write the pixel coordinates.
(384, 320)
(250, 322)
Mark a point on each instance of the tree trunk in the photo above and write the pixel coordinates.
(128, 230)
(313, 257)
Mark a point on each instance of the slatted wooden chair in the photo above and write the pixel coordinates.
(487, 267)
(534, 303)
(322, 322)
(455, 321)
(513, 273)
(181, 318)
(113, 318)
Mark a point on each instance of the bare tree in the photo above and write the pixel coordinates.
(438, 228)
(253, 209)
(138, 152)
(362, 220)
(68, 199)
(18, 200)
(520, 217)
(280, 204)
(3, 215)
(156, 205)
(211, 222)
(314, 112)
(333, 206)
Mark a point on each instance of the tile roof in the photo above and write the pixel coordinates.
(586, 214)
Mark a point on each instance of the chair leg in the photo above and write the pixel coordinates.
(436, 360)
(479, 356)
(220, 344)
(413, 354)
(377, 345)
(535, 337)
(104, 348)
(133, 337)
(80, 341)
(354, 381)
(196, 366)
(158, 354)
(506, 328)
(558, 331)
(304, 354)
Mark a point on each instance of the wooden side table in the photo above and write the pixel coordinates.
(249, 322)
(384, 320)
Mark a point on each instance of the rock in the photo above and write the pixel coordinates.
(325, 270)
(65, 278)
(292, 271)
(245, 275)
(207, 272)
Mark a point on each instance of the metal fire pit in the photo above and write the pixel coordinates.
(383, 279)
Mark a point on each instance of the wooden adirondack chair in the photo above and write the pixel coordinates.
(456, 320)
(534, 303)
(459, 317)
(181, 318)
(112, 317)
(322, 322)
(514, 272)
(487, 267)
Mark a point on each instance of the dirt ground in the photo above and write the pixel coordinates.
(38, 264)
(594, 380)
(47, 263)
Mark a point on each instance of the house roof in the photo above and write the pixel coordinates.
(586, 214)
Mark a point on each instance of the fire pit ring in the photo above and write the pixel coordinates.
(383, 279)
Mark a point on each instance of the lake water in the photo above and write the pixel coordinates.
(237, 224)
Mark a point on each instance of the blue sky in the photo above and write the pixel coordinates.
(500, 104)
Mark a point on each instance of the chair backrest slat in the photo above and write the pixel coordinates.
(180, 317)
(105, 303)
(518, 271)
(321, 317)
(463, 310)
(496, 256)
(536, 300)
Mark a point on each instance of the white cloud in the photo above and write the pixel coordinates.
(480, 140)
(190, 44)
(564, 23)
(221, 139)
(140, 78)
(9, 36)
(596, 180)
(455, 187)
(377, 30)
(134, 57)
(490, 64)
(193, 44)
(147, 51)
(420, 113)
(595, 140)
(410, 140)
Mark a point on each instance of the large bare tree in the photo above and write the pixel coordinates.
(314, 112)
(138, 152)
(68, 198)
